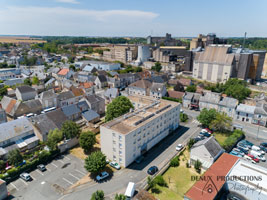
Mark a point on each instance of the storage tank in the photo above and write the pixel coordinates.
(143, 53)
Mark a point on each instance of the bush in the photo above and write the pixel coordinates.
(160, 181)
(172, 99)
(98, 195)
(183, 117)
(187, 165)
(175, 162)
(232, 139)
(198, 166)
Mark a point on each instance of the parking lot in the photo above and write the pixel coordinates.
(61, 174)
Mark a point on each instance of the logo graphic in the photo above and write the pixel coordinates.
(209, 186)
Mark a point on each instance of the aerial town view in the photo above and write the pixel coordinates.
(133, 100)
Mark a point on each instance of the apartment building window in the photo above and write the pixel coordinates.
(114, 142)
(120, 137)
(247, 114)
(238, 113)
(144, 135)
(114, 134)
(134, 134)
(114, 158)
(120, 152)
(134, 142)
(120, 145)
(139, 139)
(120, 160)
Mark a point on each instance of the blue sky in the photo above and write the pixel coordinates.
(133, 17)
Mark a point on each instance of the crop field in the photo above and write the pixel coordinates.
(6, 39)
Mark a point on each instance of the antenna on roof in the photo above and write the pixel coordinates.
(244, 41)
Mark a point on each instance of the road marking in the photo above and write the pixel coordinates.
(67, 158)
(80, 172)
(33, 177)
(264, 131)
(61, 161)
(14, 186)
(23, 182)
(48, 169)
(74, 176)
(39, 172)
(67, 181)
(53, 165)
(42, 182)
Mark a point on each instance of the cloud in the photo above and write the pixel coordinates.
(70, 21)
(68, 1)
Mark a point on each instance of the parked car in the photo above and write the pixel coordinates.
(253, 158)
(243, 150)
(264, 144)
(130, 190)
(41, 167)
(238, 151)
(25, 176)
(243, 146)
(115, 165)
(102, 176)
(208, 130)
(247, 143)
(179, 147)
(139, 159)
(152, 170)
(263, 148)
(206, 134)
(258, 149)
(235, 154)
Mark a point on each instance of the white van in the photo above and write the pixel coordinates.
(256, 148)
(130, 190)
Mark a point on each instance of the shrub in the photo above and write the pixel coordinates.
(232, 139)
(183, 117)
(187, 165)
(175, 162)
(198, 166)
(172, 99)
(159, 180)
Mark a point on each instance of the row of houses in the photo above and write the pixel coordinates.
(256, 114)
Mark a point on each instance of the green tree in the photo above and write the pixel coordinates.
(2, 165)
(175, 162)
(221, 122)
(191, 88)
(27, 81)
(206, 116)
(138, 69)
(198, 166)
(98, 195)
(118, 107)
(72, 67)
(87, 140)
(159, 180)
(95, 162)
(70, 129)
(157, 67)
(190, 143)
(14, 157)
(35, 80)
(179, 87)
(120, 197)
(54, 137)
(183, 117)
(239, 92)
(150, 182)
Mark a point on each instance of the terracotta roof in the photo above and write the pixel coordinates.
(87, 84)
(185, 82)
(11, 105)
(76, 91)
(175, 94)
(210, 183)
(63, 72)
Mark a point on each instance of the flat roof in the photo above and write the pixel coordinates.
(151, 109)
(209, 184)
(173, 47)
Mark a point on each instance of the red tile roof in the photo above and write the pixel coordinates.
(87, 84)
(185, 82)
(175, 94)
(11, 105)
(211, 183)
(63, 72)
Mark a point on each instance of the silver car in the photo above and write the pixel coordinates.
(25, 176)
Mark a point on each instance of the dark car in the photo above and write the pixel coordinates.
(263, 148)
(264, 144)
(243, 150)
(139, 159)
(205, 134)
(41, 167)
(152, 170)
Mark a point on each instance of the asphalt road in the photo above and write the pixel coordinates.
(250, 130)
(159, 156)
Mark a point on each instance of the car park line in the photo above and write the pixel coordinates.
(68, 181)
(33, 177)
(48, 169)
(80, 172)
(67, 158)
(14, 186)
(74, 176)
(61, 161)
(23, 181)
(40, 172)
(54, 165)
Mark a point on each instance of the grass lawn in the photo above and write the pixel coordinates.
(220, 137)
(178, 180)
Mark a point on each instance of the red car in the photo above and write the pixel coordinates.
(210, 131)
(253, 158)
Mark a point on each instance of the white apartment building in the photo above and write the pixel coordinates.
(129, 136)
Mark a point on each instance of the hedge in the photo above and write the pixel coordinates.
(43, 158)
(233, 139)
(172, 99)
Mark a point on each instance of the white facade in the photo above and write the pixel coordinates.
(123, 141)
(143, 53)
